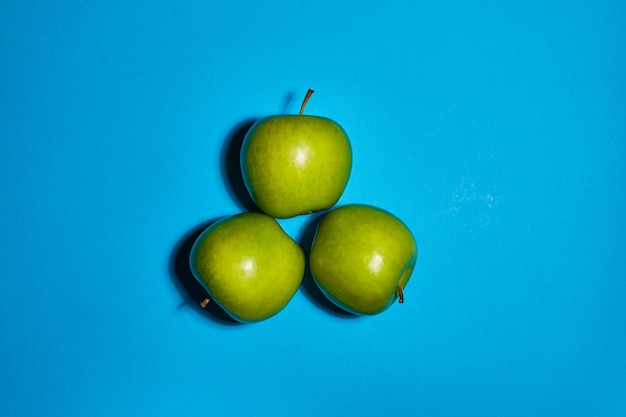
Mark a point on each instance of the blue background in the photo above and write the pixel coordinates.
(496, 130)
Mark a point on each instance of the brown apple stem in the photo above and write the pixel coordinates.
(306, 98)
(204, 302)
(400, 295)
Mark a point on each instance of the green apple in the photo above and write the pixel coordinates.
(362, 258)
(295, 164)
(248, 265)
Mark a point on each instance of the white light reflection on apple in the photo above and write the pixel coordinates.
(302, 155)
(247, 266)
(375, 263)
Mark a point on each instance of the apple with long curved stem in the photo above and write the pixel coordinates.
(295, 164)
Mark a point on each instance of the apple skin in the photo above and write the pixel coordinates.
(360, 255)
(248, 265)
(295, 164)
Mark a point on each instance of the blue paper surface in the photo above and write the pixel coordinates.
(495, 130)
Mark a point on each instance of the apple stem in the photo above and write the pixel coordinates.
(306, 98)
(204, 302)
(400, 295)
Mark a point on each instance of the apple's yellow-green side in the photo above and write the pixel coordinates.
(359, 257)
(248, 265)
(295, 164)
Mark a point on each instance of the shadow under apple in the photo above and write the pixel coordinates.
(231, 165)
(309, 287)
(191, 290)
